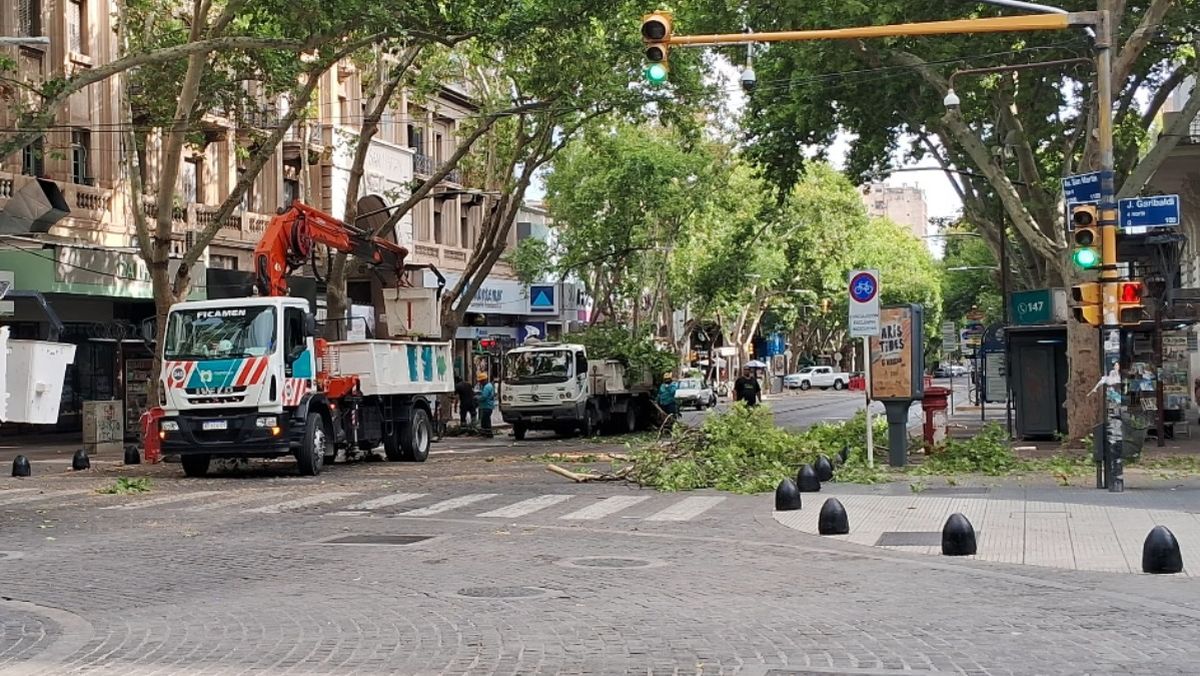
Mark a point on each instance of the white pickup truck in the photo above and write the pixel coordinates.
(823, 377)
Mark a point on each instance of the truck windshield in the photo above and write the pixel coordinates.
(546, 366)
(220, 333)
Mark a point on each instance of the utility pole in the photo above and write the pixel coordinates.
(658, 37)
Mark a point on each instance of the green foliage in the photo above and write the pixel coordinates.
(743, 451)
(987, 452)
(126, 486)
(530, 260)
(635, 351)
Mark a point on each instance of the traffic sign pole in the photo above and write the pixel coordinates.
(867, 373)
(864, 323)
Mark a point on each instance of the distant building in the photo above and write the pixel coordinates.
(904, 204)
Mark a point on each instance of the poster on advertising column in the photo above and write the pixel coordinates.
(897, 354)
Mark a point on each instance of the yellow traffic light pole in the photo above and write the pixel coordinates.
(1100, 22)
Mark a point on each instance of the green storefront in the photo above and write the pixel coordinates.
(101, 296)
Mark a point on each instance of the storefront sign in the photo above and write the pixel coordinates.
(497, 296)
(113, 273)
(543, 299)
(896, 354)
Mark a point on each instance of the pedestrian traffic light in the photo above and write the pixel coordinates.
(656, 35)
(1087, 236)
(1087, 307)
(1129, 303)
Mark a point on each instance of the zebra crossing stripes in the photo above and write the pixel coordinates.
(235, 500)
(447, 505)
(310, 501)
(386, 501)
(163, 500)
(686, 509)
(35, 495)
(604, 507)
(527, 506)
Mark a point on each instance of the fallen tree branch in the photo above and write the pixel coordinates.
(584, 478)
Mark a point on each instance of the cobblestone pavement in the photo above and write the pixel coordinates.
(520, 572)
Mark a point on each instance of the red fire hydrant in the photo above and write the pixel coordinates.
(935, 404)
(151, 443)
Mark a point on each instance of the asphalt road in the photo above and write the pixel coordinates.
(481, 564)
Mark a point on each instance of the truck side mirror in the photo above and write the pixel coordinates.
(310, 326)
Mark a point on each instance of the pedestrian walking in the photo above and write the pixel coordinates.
(466, 402)
(747, 389)
(486, 403)
(666, 395)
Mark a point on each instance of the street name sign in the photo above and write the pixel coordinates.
(864, 303)
(1149, 212)
(949, 337)
(1081, 189)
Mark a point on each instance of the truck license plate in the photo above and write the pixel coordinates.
(215, 425)
(537, 418)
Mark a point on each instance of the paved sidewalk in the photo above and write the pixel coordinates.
(1076, 531)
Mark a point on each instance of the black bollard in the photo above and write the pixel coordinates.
(958, 536)
(844, 454)
(833, 519)
(1160, 552)
(21, 466)
(807, 481)
(787, 496)
(824, 468)
(80, 461)
(131, 455)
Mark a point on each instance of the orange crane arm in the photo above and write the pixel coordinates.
(289, 239)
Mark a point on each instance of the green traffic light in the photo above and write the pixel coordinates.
(1086, 258)
(656, 73)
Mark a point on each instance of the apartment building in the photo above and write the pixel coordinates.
(88, 268)
(903, 204)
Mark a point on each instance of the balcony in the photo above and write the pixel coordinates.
(88, 204)
(424, 165)
(241, 227)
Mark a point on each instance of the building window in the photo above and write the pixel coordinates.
(76, 26)
(81, 147)
(344, 109)
(223, 262)
(437, 227)
(29, 18)
(524, 230)
(465, 233)
(250, 197)
(291, 191)
(188, 181)
(437, 148)
(414, 138)
(33, 159)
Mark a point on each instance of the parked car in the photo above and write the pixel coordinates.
(695, 392)
(941, 371)
(823, 377)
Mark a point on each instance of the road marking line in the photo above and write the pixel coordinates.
(48, 495)
(163, 500)
(686, 509)
(238, 499)
(386, 501)
(447, 505)
(604, 508)
(318, 499)
(527, 506)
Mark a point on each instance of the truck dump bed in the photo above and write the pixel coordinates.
(393, 366)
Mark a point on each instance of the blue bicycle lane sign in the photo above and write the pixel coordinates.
(864, 303)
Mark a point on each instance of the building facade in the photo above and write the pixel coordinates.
(903, 204)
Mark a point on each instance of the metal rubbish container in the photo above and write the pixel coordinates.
(935, 404)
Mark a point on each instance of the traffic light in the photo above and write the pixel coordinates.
(1087, 308)
(1087, 236)
(1129, 303)
(656, 35)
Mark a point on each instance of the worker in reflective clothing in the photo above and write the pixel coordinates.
(487, 404)
(666, 395)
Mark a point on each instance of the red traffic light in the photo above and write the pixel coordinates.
(656, 26)
(1130, 292)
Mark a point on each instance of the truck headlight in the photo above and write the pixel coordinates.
(169, 426)
(564, 395)
(269, 421)
(505, 397)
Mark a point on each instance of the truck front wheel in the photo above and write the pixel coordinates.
(195, 465)
(590, 426)
(311, 455)
(415, 438)
(519, 431)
